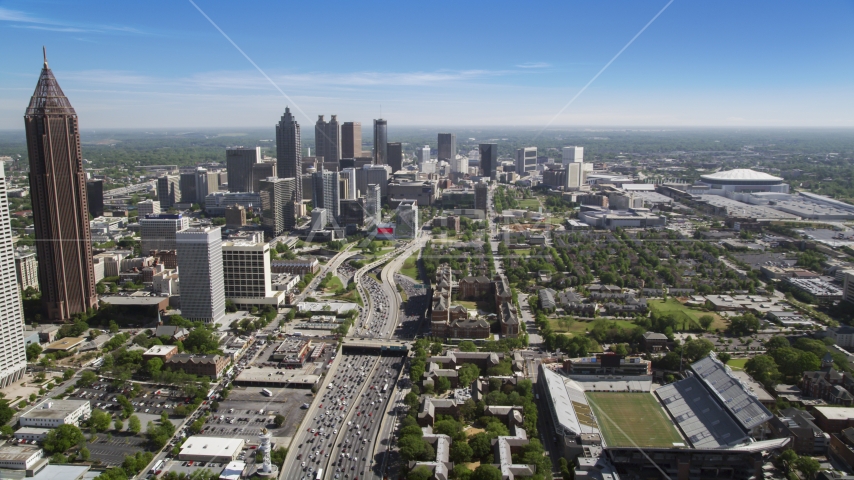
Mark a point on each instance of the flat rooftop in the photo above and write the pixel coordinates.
(66, 343)
(212, 446)
(54, 408)
(17, 453)
(836, 413)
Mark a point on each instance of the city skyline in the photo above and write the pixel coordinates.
(695, 65)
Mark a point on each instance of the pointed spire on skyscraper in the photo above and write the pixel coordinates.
(44, 53)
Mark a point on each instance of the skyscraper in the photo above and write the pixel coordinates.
(158, 231)
(260, 171)
(188, 188)
(395, 156)
(168, 190)
(380, 142)
(200, 267)
(447, 146)
(526, 160)
(60, 208)
(277, 203)
(13, 352)
(95, 197)
(352, 189)
(572, 155)
(239, 163)
(406, 219)
(289, 158)
(373, 205)
(325, 193)
(327, 139)
(488, 159)
(351, 140)
(423, 155)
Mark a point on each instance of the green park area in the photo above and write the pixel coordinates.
(571, 326)
(737, 363)
(410, 267)
(529, 203)
(687, 318)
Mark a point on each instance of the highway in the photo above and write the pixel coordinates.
(353, 451)
(312, 445)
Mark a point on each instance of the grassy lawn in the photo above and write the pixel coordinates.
(482, 305)
(524, 252)
(334, 284)
(555, 220)
(737, 363)
(578, 327)
(351, 296)
(632, 420)
(532, 203)
(410, 267)
(680, 311)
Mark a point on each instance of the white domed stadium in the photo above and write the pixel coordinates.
(740, 180)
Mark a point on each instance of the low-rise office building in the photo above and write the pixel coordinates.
(211, 449)
(202, 365)
(20, 457)
(53, 413)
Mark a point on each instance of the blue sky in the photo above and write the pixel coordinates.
(161, 64)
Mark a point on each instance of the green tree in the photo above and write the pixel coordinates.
(420, 473)
(279, 420)
(467, 346)
(68, 373)
(84, 454)
(134, 425)
(706, 321)
(808, 466)
(33, 351)
(62, 438)
(724, 357)
(461, 472)
(786, 461)
(411, 447)
(202, 341)
(119, 425)
(87, 379)
(99, 421)
(460, 452)
(481, 445)
(763, 369)
(776, 342)
(697, 348)
(443, 385)
(154, 366)
(486, 472)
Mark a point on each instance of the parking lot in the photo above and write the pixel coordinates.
(112, 449)
(246, 411)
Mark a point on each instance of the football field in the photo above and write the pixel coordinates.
(632, 419)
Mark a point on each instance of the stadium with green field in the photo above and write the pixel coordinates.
(633, 420)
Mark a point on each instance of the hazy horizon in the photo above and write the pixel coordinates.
(655, 64)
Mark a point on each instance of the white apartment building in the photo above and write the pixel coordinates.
(200, 268)
(147, 207)
(572, 155)
(158, 231)
(27, 270)
(53, 413)
(246, 274)
(13, 355)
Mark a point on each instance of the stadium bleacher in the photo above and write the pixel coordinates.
(702, 420)
(743, 406)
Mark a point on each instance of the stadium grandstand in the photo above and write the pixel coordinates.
(704, 426)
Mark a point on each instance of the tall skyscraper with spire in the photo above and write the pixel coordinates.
(60, 208)
(289, 160)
